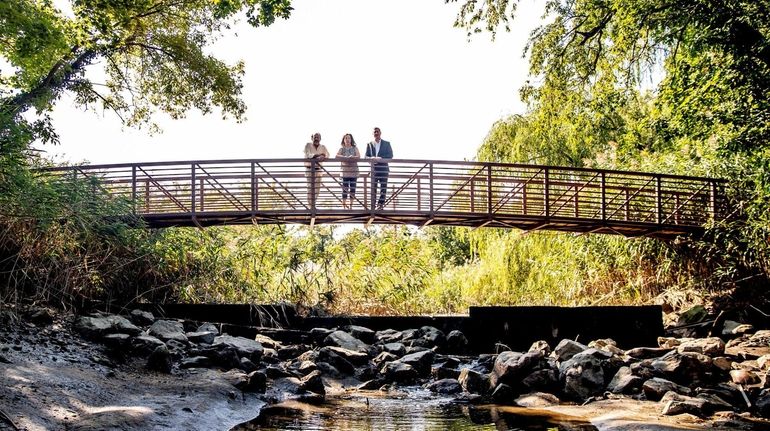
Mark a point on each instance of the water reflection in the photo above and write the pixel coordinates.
(413, 412)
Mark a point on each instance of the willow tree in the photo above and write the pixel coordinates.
(679, 86)
(132, 57)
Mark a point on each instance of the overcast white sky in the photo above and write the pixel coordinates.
(336, 66)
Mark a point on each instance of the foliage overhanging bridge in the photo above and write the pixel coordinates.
(420, 192)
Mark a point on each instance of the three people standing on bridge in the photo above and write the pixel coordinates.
(317, 153)
(379, 149)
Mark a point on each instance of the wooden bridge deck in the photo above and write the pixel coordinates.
(420, 192)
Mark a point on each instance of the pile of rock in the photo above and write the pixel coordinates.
(686, 375)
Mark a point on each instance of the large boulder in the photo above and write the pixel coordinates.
(97, 327)
(346, 341)
(168, 330)
(511, 367)
(245, 347)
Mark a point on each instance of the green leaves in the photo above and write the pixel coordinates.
(153, 53)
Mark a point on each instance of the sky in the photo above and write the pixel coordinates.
(335, 66)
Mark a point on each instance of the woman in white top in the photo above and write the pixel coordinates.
(350, 155)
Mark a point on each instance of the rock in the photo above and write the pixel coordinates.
(444, 372)
(624, 382)
(207, 327)
(397, 349)
(221, 355)
(671, 342)
(277, 372)
(655, 388)
(160, 359)
(583, 375)
(195, 362)
(537, 400)
(355, 358)
(331, 356)
(319, 334)
(245, 347)
(247, 365)
(237, 378)
(545, 379)
(711, 346)
(257, 381)
(420, 361)
(346, 341)
(371, 385)
(647, 352)
(762, 403)
(306, 367)
(290, 352)
(141, 317)
(388, 336)
(168, 330)
(744, 377)
(503, 394)
(445, 386)
(204, 337)
(676, 404)
(722, 363)
(473, 381)
(268, 342)
(607, 344)
(313, 383)
(145, 344)
(456, 342)
(362, 333)
(328, 369)
(540, 346)
(566, 349)
(383, 358)
(366, 372)
(96, 327)
(399, 372)
(434, 337)
(118, 343)
(763, 362)
(511, 367)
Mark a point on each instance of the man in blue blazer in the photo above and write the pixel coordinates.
(379, 149)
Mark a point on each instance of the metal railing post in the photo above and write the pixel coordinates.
(133, 188)
(713, 201)
(604, 196)
(253, 187)
(430, 186)
(192, 187)
(489, 191)
(659, 200)
(546, 193)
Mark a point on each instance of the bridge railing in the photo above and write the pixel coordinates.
(420, 189)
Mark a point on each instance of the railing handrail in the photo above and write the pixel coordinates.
(470, 163)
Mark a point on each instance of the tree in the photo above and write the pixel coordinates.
(151, 54)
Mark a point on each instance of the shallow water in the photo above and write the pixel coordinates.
(412, 411)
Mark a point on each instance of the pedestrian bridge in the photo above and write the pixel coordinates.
(420, 193)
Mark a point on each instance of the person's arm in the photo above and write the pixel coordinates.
(308, 153)
(368, 150)
(358, 153)
(325, 152)
(339, 153)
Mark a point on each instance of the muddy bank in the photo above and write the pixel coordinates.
(53, 379)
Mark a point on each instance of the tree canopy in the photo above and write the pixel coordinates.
(133, 57)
